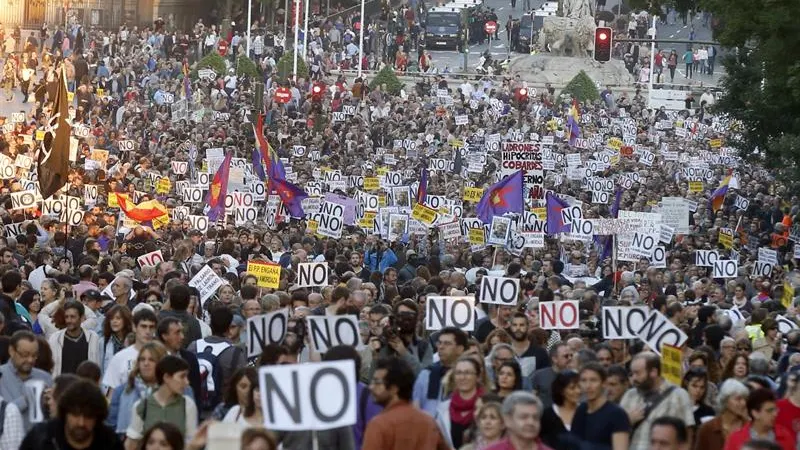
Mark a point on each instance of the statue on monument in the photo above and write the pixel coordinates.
(571, 34)
(577, 9)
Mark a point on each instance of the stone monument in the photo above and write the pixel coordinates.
(571, 33)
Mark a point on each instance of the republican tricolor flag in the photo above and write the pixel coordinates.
(219, 189)
(573, 130)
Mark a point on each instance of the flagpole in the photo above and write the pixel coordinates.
(296, 37)
(614, 261)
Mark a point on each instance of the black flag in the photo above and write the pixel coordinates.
(458, 162)
(53, 161)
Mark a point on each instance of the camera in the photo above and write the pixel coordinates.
(390, 331)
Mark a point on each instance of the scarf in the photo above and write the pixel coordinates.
(462, 412)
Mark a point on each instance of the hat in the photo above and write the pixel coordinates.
(91, 294)
(410, 253)
(195, 233)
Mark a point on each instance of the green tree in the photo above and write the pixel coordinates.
(582, 88)
(211, 61)
(762, 82)
(386, 76)
(246, 66)
(286, 63)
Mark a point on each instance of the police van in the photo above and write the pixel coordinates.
(445, 26)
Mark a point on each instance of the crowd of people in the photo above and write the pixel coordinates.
(109, 340)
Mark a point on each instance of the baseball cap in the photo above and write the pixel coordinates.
(91, 294)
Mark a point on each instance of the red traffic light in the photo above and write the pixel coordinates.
(602, 44)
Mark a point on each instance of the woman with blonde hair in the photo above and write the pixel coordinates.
(488, 427)
(141, 381)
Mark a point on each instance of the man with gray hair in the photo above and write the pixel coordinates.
(522, 414)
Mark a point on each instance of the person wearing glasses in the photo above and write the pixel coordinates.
(428, 388)
(455, 415)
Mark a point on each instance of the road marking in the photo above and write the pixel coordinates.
(672, 35)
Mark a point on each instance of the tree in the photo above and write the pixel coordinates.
(762, 82)
(286, 63)
(246, 66)
(211, 61)
(386, 76)
(582, 88)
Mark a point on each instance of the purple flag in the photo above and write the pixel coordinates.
(502, 197)
(554, 206)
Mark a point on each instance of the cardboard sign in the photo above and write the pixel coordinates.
(706, 258)
(623, 322)
(445, 312)
(266, 329)
(312, 274)
(150, 259)
(472, 194)
(308, 396)
(657, 331)
(424, 214)
(23, 199)
(207, 282)
(499, 291)
(672, 364)
(726, 268)
(269, 275)
(329, 331)
(559, 315)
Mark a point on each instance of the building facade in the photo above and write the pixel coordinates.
(31, 14)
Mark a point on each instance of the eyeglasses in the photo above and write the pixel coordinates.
(377, 382)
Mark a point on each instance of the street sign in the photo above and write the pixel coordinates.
(490, 27)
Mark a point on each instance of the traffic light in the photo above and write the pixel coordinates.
(317, 91)
(521, 95)
(602, 44)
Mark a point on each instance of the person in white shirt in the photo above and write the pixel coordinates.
(144, 327)
(43, 270)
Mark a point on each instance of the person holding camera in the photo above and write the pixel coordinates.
(379, 256)
(397, 337)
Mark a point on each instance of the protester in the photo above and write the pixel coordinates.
(185, 204)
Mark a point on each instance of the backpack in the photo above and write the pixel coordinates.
(211, 381)
(3, 405)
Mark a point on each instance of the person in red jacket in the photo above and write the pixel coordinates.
(789, 407)
(761, 404)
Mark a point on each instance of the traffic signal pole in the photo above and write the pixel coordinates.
(652, 63)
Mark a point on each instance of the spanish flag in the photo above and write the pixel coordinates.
(143, 212)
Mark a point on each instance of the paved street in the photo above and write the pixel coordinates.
(675, 29)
